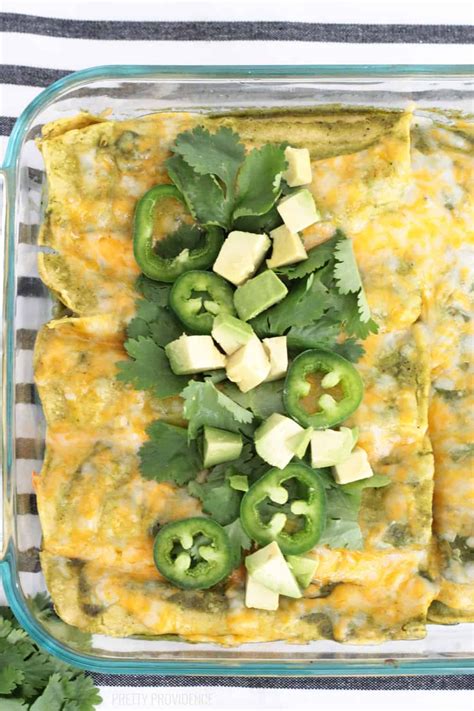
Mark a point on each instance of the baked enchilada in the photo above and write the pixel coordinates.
(258, 394)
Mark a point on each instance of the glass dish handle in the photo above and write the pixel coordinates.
(4, 494)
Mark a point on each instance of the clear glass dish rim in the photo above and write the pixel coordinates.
(347, 667)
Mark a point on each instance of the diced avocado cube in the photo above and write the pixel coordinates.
(299, 167)
(354, 468)
(330, 447)
(239, 482)
(299, 442)
(240, 256)
(272, 440)
(220, 446)
(298, 210)
(249, 366)
(260, 597)
(302, 568)
(258, 294)
(268, 567)
(231, 333)
(287, 248)
(194, 354)
(277, 352)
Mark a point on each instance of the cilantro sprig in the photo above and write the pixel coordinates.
(32, 679)
(152, 328)
(219, 181)
(321, 305)
(204, 405)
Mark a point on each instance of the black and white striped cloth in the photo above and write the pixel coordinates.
(43, 41)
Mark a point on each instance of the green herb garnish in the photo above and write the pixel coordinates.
(32, 679)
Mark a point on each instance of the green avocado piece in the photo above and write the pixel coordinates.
(269, 568)
(231, 333)
(220, 446)
(302, 568)
(258, 294)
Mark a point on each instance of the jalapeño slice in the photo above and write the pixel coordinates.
(322, 389)
(161, 268)
(194, 553)
(287, 506)
(198, 297)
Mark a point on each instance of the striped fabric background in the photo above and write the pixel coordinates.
(42, 42)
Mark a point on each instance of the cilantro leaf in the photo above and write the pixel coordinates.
(167, 455)
(219, 154)
(342, 509)
(258, 183)
(156, 321)
(203, 195)
(31, 679)
(185, 237)
(258, 223)
(348, 281)
(204, 404)
(152, 290)
(340, 533)
(52, 697)
(322, 333)
(220, 184)
(10, 678)
(304, 304)
(149, 369)
(263, 400)
(348, 311)
(346, 272)
(218, 498)
(350, 349)
(363, 306)
(238, 539)
(317, 258)
(374, 482)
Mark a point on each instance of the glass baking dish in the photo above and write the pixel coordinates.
(131, 91)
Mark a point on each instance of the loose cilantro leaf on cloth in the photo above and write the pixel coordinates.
(31, 679)
(185, 237)
(167, 455)
(263, 400)
(342, 509)
(317, 258)
(239, 540)
(149, 369)
(258, 184)
(204, 404)
(219, 182)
